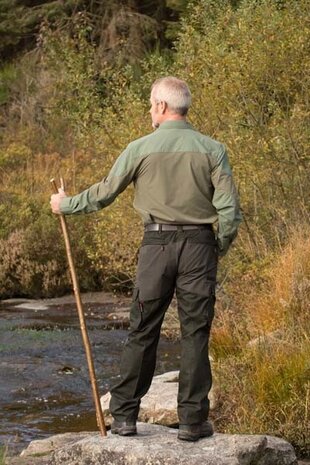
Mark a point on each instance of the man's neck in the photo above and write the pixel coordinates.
(170, 117)
(174, 117)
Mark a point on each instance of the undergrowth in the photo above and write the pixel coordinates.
(261, 347)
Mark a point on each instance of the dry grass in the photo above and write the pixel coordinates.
(262, 349)
(287, 301)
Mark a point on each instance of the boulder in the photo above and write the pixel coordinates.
(158, 445)
(119, 316)
(267, 341)
(159, 405)
(46, 446)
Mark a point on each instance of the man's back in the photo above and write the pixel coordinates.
(180, 176)
(174, 167)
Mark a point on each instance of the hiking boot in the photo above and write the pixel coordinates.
(124, 428)
(206, 429)
(194, 432)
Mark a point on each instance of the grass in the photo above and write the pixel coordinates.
(267, 392)
(261, 347)
(2, 455)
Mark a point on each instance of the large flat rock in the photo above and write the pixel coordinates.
(158, 445)
(159, 405)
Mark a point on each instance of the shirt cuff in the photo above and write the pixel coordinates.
(223, 244)
(65, 206)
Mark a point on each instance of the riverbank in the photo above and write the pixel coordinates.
(44, 387)
(44, 384)
(156, 445)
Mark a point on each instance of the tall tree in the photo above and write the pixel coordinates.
(143, 23)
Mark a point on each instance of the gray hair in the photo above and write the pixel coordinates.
(174, 92)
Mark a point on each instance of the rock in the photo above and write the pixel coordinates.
(39, 460)
(121, 316)
(38, 452)
(159, 405)
(45, 446)
(13, 301)
(104, 298)
(270, 341)
(158, 445)
(32, 305)
(118, 319)
(168, 377)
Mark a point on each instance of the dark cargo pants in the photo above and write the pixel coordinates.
(185, 261)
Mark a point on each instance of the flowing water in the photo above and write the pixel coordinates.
(44, 381)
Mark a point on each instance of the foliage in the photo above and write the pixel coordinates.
(114, 250)
(20, 21)
(252, 93)
(266, 392)
(250, 89)
(261, 348)
(33, 263)
(7, 76)
(69, 108)
(2, 455)
(128, 27)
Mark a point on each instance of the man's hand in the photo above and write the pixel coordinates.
(55, 201)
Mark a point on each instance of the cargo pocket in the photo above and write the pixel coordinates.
(206, 296)
(136, 312)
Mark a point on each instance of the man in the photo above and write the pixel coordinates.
(183, 185)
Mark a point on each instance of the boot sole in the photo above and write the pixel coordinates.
(191, 437)
(188, 437)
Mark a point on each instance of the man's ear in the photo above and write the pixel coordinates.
(163, 107)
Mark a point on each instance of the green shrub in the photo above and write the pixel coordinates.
(33, 261)
(67, 112)
(2, 455)
(250, 83)
(249, 80)
(8, 75)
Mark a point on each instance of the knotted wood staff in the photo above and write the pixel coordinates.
(76, 289)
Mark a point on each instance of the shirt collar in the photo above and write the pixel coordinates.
(178, 124)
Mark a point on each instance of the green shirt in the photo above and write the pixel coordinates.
(180, 176)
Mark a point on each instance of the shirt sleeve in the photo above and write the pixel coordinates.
(226, 202)
(103, 193)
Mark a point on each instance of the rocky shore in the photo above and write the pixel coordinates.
(158, 445)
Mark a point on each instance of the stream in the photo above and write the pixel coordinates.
(44, 381)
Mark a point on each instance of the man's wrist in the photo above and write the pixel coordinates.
(64, 206)
(223, 245)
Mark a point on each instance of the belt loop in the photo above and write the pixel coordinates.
(160, 228)
(180, 227)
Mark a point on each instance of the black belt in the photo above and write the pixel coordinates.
(176, 227)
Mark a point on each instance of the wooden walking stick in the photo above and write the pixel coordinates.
(76, 289)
